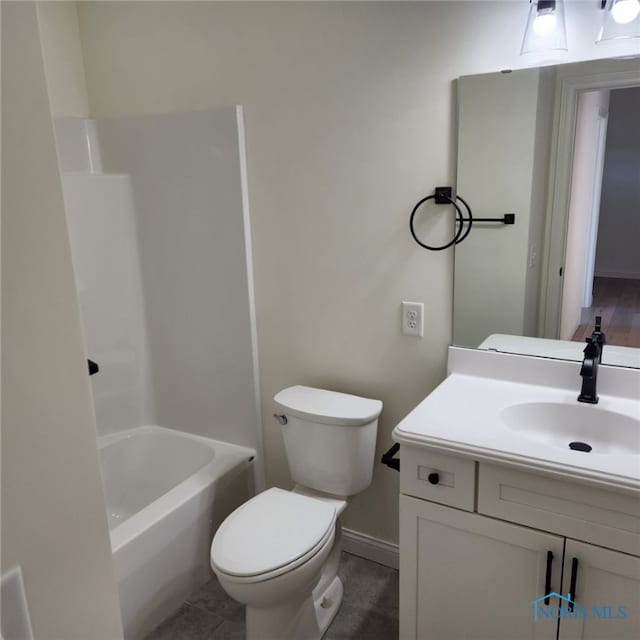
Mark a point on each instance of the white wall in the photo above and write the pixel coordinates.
(502, 168)
(583, 178)
(53, 519)
(350, 120)
(618, 249)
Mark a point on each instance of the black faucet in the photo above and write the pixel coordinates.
(589, 372)
(598, 335)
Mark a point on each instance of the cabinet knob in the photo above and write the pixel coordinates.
(433, 478)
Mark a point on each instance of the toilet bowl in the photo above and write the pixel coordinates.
(271, 554)
(279, 552)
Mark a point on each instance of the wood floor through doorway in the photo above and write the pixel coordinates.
(617, 300)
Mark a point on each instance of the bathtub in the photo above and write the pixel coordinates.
(166, 492)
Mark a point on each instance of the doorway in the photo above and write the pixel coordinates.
(602, 259)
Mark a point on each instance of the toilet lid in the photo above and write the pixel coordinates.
(272, 530)
(327, 407)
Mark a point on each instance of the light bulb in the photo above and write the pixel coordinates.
(544, 23)
(625, 11)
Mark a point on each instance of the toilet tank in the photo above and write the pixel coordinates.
(330, 438)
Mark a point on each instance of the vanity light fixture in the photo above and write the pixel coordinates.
(546, 29)
(621, 20)
(625, 11)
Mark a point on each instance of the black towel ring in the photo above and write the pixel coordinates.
(469, 219)
(460, 234)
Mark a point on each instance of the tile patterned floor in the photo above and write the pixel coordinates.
(369, 610)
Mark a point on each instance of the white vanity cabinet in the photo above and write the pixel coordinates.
(467, 577)
(479, 544)
(609, 579)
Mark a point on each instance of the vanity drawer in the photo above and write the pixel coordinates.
(606, 518)
(438, 477)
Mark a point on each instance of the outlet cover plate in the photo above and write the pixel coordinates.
(413, 318)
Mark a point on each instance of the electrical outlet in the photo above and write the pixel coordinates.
(413, 318)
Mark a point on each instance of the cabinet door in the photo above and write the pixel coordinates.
(604, 581)
(468, 577)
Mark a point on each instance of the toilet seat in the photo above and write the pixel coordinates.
(272, 534)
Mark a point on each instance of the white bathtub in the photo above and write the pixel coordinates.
(166, 492)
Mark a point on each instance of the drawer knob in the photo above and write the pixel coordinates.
(433, 478)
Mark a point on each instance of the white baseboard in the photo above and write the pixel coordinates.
(380, 551)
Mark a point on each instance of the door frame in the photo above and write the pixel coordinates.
(572, 80)
(594, 217)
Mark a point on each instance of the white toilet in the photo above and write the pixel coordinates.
(279, 552)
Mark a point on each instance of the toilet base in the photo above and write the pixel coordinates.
(328, 604)
(305, 619)
(298, 620)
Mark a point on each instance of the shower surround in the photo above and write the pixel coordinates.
(158, 218)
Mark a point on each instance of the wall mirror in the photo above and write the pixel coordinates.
(559, 147)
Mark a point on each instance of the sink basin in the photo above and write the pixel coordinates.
(559, 425)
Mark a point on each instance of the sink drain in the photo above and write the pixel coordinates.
(580, 446)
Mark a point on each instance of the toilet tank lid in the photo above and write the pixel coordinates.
(327, 407)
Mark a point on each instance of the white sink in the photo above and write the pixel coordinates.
(558, 425)
(524, 410)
